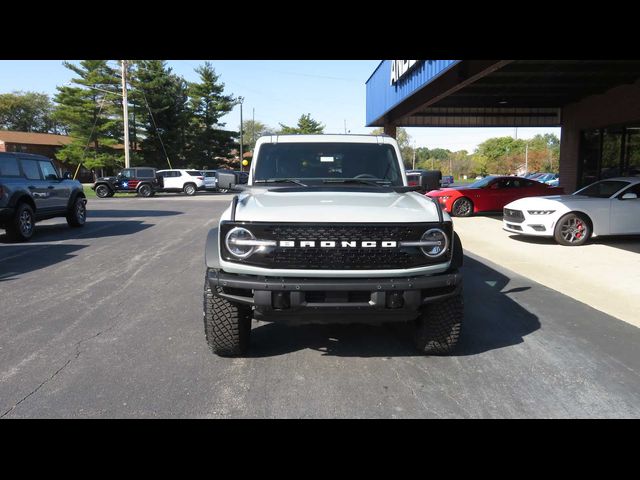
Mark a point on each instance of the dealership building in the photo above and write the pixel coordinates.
(595, 102)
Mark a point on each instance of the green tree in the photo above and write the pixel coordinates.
(28, 112)
(501, 155)
(404, 142)
(252, 130)
(92, 110)
(306, 125)
(207, 103)
(165, 117)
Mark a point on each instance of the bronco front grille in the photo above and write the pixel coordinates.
(337, 258)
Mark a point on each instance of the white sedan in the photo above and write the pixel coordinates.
(607, 207)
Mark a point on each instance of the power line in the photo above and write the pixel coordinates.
(156, 127)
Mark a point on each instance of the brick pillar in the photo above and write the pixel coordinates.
(569, 157)
(390, 130)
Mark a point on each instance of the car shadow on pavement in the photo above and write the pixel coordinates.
(535, 240)
(92, 229)
(130, 213)
(630, 243)
(491, 215)
(492, 321)
(16, 260)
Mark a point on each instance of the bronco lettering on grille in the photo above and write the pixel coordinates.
(334, 244)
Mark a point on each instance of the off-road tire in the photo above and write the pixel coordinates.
(462, 207)
(190, 189)
(22, 225)
(227, 326)
(102, 191)
(77, 212)
(144, 190)
(573, 229)
(437, 330)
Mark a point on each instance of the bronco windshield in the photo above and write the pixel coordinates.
(315, 163)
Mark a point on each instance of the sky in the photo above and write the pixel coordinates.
(279, 91)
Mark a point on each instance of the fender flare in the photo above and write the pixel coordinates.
(103, 182)
(75, 194)
(211, 250)
(19, 197)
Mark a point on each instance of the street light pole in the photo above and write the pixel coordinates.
(241, 99)
(125, 113)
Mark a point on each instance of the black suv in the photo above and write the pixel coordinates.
(32, 190)
(141, 180)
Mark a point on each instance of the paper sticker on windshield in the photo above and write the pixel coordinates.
(326, 159)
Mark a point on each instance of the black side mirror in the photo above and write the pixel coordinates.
(430, 180)
(67, 176)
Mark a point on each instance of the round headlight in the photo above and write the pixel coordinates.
(440, 242)
(234, 246)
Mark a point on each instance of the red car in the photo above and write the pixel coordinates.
(489, 194)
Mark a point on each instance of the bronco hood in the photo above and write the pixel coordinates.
(335, 207)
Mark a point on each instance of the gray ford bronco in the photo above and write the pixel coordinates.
(327, 230)
(31, 190)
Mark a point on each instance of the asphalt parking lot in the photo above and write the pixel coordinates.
(106, 322)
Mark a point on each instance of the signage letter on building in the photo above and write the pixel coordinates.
(399, 68)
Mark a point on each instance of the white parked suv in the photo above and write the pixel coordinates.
(179, 180)
(328, 230)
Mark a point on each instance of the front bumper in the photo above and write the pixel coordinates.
(531, 225)
(334, 299)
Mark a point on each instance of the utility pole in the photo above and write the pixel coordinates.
(125, 113)
(414, 155)
(526, 158)
(345, 126)
(241, 99)
(253, 129)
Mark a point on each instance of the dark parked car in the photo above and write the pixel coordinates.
(141, 180)
(31, 189)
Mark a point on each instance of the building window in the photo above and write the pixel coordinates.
(609, 152)
(632, 151)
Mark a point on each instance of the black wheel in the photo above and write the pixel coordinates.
(462, 207)
(102, 191)
(573, 229)
(227, 326)
(437, 330)
(190, 189)
(144, 190)
(22, 225)
(77, 213)
(111, 194)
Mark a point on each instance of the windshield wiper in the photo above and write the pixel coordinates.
(357, 180)
(282, 180)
